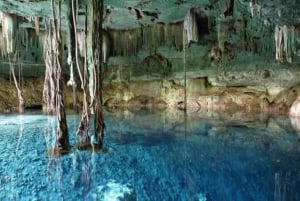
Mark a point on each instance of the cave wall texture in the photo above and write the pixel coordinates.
(238, 54)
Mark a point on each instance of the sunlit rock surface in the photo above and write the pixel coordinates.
(159, 94)
(294, 114)
(112, 191)
(295, 108)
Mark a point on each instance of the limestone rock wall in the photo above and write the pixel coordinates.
(202, 96)
(237, 54)
(32, 89)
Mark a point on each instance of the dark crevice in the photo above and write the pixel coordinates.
(229, 11)
(34, 107)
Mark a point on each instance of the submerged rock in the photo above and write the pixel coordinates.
(200, 197)
(112, 191)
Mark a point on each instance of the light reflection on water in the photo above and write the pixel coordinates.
(213, 157)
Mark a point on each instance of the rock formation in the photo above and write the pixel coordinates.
(237, 54)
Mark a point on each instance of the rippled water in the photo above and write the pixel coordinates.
(156, 155)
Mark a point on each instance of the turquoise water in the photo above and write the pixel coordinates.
(153, 156)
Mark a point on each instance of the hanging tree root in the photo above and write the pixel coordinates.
(89, 143)
(83, 128)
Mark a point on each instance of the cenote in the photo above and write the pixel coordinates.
(198, 100)
(153, 155)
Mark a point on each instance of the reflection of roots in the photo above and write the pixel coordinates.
(83, 146)
(57, 152)
(87, 146)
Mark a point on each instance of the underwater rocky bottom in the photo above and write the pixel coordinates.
(152, 156)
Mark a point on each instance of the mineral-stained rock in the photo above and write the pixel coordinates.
(201, 96)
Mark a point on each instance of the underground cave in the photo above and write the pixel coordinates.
(194, 100)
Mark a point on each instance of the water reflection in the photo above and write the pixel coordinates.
(235, 129)
(20, 132)
(285, 186)
(50, 130)
(238, 150)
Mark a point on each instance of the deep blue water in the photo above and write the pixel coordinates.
(157, 155)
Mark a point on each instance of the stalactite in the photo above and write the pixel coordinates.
(130, 42)
(21, 39)
(1, 17)
(259, 7)
(297, 40)
(285, 42)
(168, 32)
(8, 31)
(178, 35)
(266, 44)
(220, 36)
(148, 39)
(279, 12)
(37, 25)
(251, 5)
(190, 27)
(290, 46)
(255, 8)
(2, 44)
(114, 35)
(279, 43)
(293, 39)
(160, 33)
(81, 42)
(124, 42)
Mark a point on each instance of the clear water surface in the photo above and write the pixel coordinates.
(155, 156)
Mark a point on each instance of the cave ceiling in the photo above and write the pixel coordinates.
(148, 34)
(137, 13)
